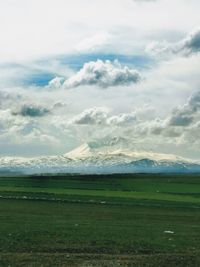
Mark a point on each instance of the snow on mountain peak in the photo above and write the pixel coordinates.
(87, 151)
(79, 152)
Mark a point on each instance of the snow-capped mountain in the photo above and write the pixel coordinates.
(89, 150)
(89, 158)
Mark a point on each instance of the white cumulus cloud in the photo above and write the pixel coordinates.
(103, 74)
(96, 115)
(101, 116)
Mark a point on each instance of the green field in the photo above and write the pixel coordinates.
(113, 220)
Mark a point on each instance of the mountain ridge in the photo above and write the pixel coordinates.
(89, 159)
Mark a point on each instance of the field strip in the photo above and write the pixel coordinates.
(103, 255)
(92, 201)
(105, 193)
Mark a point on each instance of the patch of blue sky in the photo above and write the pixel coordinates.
(38, 79)
(76, 62)
(17, 74)
(31, 75)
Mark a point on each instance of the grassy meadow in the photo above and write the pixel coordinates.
(109, 220)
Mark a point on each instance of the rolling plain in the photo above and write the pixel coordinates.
(100, 220)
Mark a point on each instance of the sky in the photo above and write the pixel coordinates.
(123, 72)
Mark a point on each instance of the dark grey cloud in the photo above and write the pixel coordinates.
(185, 115)
(191, 44)
(180, 119)
(194, 102)
(187, 46)
(182, 122)
(31, 111)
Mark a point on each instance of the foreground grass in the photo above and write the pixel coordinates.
(96, 260)
(127, 220)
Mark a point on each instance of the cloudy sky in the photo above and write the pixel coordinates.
(104, 71)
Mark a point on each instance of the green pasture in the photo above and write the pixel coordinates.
(132, 220)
